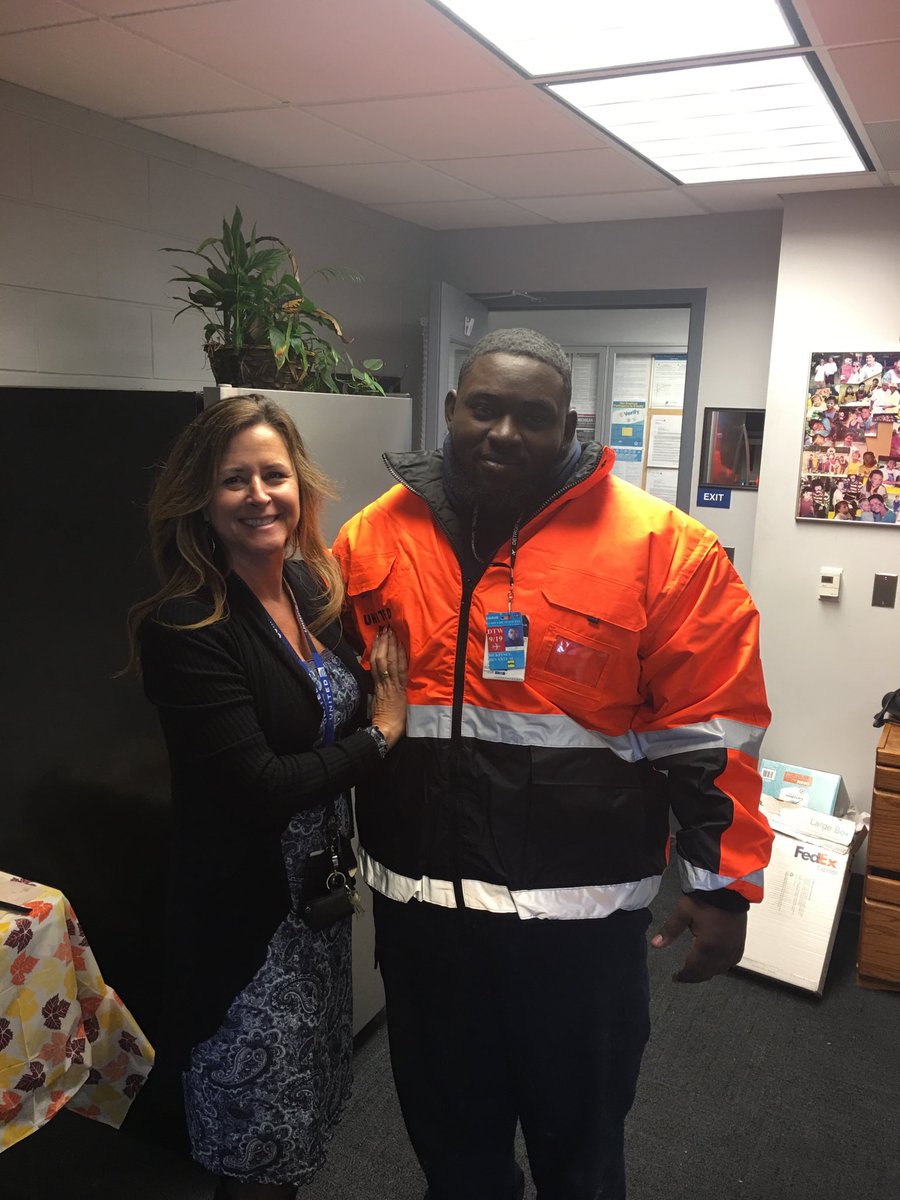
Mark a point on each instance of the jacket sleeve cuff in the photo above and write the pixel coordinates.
(723, 898)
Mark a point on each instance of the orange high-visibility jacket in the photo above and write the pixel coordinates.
(643, 691)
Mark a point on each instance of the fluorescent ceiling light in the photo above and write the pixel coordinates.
(755, 120)
(552, 38)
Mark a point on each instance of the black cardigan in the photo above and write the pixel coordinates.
(239, 716)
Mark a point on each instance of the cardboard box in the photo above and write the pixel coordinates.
(787, 787)
(790, 935)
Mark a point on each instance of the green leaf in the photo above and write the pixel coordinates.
(204, 299)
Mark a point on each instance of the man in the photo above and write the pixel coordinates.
(520, 830)
(870, 368)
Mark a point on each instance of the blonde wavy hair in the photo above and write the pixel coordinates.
(183, 552)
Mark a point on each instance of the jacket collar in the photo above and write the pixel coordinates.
(422, 472)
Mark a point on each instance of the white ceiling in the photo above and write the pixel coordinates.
(391, 104)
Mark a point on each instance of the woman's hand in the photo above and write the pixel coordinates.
(389, 664)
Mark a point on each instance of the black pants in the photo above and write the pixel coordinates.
(493, 1019)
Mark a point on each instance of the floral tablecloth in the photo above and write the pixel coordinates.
(65, 1036)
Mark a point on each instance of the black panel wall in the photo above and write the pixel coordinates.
(84, 774)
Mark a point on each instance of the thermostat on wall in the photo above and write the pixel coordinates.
(830, 583)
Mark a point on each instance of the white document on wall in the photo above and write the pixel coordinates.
(665, 441)
(662, 482)
(667, 389)
(631, 377)
(585, 379)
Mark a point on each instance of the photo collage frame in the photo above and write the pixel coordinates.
(850, 463)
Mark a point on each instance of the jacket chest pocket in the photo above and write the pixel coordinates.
(375, 589)
(590, 635)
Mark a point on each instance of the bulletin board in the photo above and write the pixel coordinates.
(647, 402)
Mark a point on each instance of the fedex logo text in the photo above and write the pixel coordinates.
(820, 857)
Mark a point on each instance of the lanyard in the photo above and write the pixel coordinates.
(513, 547)
(317, 673)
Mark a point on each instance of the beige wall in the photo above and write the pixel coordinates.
(827, 665)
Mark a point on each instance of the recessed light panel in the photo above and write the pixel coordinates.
(586, 35)
(756, 120)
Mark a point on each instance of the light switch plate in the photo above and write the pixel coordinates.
(884, 592)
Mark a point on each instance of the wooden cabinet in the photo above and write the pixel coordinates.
(879, 933)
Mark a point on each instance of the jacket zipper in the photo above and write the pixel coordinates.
(462, 629)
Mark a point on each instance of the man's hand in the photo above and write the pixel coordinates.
(718, 938)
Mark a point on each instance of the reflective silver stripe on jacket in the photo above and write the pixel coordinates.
(706, 735)
(559, 731)
(696, 879)
(517, 729)
(559, 904)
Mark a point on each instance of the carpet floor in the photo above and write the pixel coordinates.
(749, 1089)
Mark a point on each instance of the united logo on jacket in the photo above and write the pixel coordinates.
(643, 692)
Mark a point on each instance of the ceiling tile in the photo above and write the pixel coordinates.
(345, 85)
(35, 14)
(619, 207)
(871, 78)
(385, 183)
(320, 51)
(839, 22)
(722, 198)
(466, 125)
(100, 66)
(463, 214)
(767, 193)
(271, 137)
(569, 172)
(117, 8)
(885, 136)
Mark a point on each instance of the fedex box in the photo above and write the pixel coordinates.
(790, 935)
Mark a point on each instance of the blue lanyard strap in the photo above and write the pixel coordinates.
(319, 677)
(322, 683)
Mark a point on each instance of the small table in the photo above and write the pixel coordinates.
(65, 1036)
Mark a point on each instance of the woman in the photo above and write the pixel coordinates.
(262, 705)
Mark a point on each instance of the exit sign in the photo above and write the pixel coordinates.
(712, 497)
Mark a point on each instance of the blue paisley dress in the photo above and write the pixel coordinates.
(264, 1093)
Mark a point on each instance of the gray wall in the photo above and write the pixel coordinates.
(827, 665)
(86, 202)
(663, 327)
(733, 256)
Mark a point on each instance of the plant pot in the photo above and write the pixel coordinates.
(254, 367)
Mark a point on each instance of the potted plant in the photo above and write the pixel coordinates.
(262, 330)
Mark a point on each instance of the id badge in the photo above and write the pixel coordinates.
(505, 646)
